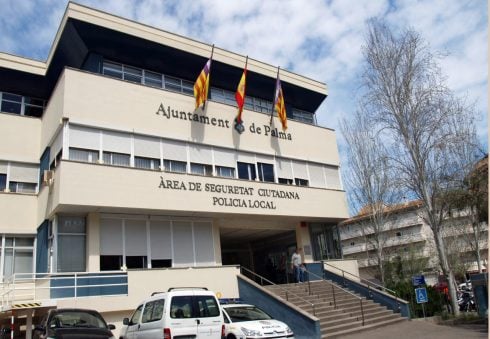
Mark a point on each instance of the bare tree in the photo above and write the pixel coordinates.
(370, 184)
(423, 124)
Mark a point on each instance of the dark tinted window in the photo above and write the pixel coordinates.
(266, 172)
(246, 171)
(3, 181)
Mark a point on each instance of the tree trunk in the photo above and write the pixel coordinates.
(451, 281)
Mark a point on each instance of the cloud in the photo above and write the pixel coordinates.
(316, 38)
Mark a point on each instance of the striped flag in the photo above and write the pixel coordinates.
(279, 105)
(201, 85)
(240, 95)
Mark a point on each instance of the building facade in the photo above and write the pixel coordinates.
(106, 167)
(407, 240)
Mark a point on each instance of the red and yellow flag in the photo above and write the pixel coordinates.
(201, 85)
(279, 105)
(240, 95)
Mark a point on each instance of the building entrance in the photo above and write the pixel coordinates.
(265, 252)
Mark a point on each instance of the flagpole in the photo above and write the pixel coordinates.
(209, 77)
(274, 98)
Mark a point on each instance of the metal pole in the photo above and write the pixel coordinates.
(333, 295)
(423, 310)
(12, 326)
(343, 277)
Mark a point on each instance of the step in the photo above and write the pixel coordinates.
(350, 318)
(358, 323)
(340, 334)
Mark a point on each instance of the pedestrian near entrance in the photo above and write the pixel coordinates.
(296, 265)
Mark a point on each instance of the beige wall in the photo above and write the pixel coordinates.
(108, 103)
(53, 113)
(100, 186)
(18, 213)
(20, 138)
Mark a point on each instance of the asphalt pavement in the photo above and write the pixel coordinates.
(423, 329)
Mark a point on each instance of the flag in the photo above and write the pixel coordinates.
(279, 104)
(240, 95)
(201, 85)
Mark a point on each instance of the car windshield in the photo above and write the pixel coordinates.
(246, 313)
(76, 319)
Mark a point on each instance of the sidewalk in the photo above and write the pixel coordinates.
(421, 329)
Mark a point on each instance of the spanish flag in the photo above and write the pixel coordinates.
(201, 85)
(279, 104)
(240, 95)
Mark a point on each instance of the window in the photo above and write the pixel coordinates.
(153, 79)
(207, 306)
(71, 244)
(175, 166)
(111, 262)
(116, 159)
(3, 182)
(17, 256)
(246, 171)
(153, 311)
(266, 172)
(11, 103)
(301, 182)
(303, 116)
(226, 172)
(112, 69)
(33, 107)
(398, 234)
(136, 261)
(285, 181)
(201, 169)
(149, 163)
(161, 263)
(352, 243)
(85, 155)
(135, 318)
(133, 74)
(181, 307)
(173, 84)
(22, 187)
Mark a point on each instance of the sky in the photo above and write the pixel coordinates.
(319, 39)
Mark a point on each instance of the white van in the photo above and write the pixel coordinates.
(180, 313)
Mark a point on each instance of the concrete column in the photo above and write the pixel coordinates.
(29, 324)
(93, 242)
(217, 244)
(303, 240)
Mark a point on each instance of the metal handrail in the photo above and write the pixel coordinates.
(362, 279)
(333, 292)
(262, 279)
(367, 282)
(13, 283)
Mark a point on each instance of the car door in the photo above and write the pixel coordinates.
(181, 318)
(209, 317)
(134, 323)
(151, 325)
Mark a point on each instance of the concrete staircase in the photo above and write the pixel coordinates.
(338, 310)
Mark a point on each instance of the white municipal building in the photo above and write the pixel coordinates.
(110, 177)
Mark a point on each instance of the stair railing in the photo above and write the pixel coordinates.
(262, 279)
(368, 283)
(333, 292)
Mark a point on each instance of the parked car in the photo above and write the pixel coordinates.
(177, 313)
(243, 321)
(74, 323)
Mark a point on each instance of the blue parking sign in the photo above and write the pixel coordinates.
(421, 295)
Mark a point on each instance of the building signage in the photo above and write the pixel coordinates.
(232, 195)
(196, 118)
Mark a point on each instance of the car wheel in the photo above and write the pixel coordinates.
(231, 336)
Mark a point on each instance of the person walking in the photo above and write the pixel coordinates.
(296, 265)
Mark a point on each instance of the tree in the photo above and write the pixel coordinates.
(424, 125)
(370, 184)
(471, 199)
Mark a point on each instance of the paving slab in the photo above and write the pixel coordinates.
(422, 329)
